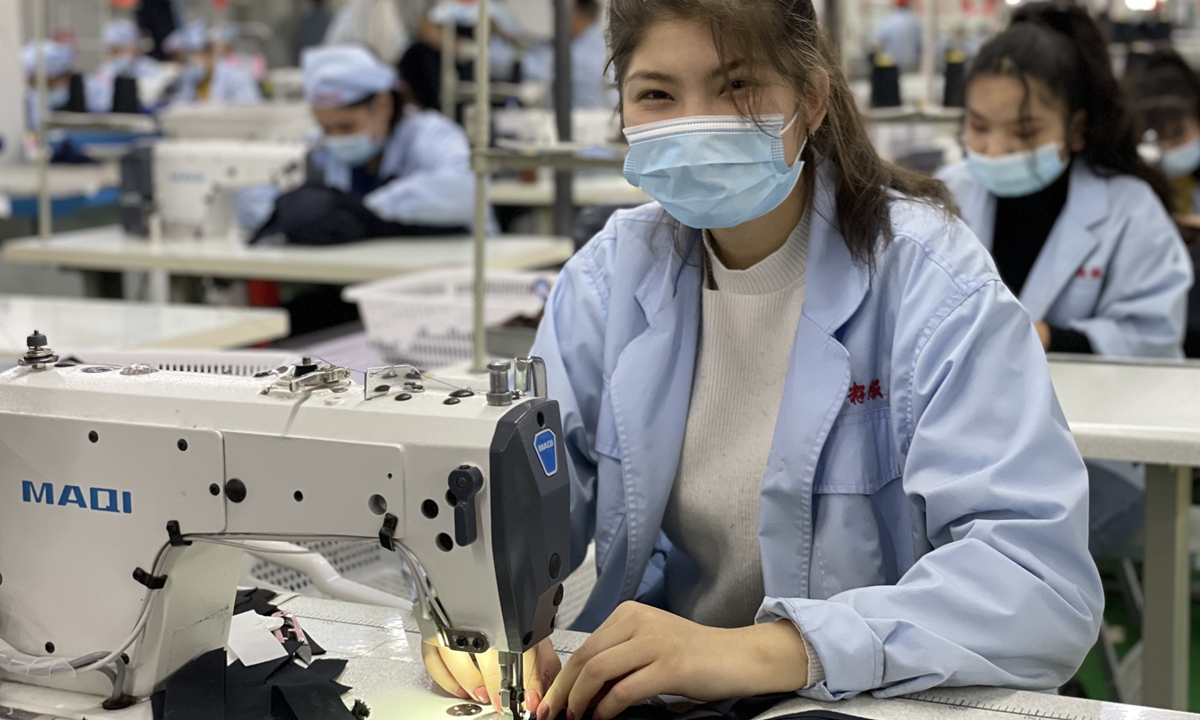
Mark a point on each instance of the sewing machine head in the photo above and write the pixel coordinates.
(123, 489)
(195, 181)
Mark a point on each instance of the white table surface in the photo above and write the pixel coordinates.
(385, 671)
(117, 324)
(1143, 412)
(108, 248)
(588, 190)
(21, 180)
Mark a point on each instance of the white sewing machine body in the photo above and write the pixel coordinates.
(96, 461)
(195, 181)
(273, 121)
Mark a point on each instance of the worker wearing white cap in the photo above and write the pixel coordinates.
(407, 166)
(123, 41)
(60, 61)
(203, 78)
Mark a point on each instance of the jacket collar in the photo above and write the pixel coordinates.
(1072, 239)
(836, 282)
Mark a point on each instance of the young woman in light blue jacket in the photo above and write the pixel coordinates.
(1076, 221)
(810, 432)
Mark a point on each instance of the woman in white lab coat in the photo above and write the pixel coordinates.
(204, 78)
(1166, 96)
(1075, 220)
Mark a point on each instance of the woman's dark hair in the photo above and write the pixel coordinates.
(1164, 91)
(397, 106)
(1059, 44)
(784, 36)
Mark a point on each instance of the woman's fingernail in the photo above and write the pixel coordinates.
(496, 704)
(462, 694)
(543, 711)
(534, 698)
(570, 714)
(481, 694)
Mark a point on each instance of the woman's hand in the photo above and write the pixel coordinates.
(1043, 331)
(456, 673)
(640, 652)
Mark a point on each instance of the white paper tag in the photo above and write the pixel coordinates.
(250, 639)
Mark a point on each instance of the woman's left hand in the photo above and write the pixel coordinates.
(640, 652)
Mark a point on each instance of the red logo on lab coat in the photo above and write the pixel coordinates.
(860, 394)
(1095, 273)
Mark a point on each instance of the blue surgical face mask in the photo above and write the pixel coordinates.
(120, 64)
(354, 150)
(1183, 160)
(1021, 173)
(193, 72)
(713, 172)
(57, 98)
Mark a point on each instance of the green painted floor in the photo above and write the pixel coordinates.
(1115, 613)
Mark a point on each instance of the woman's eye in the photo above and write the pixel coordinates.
(740, 85)
(654, 95)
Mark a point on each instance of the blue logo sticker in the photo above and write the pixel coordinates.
(547, 450)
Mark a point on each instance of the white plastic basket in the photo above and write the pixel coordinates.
(425, 319)
(224, 362)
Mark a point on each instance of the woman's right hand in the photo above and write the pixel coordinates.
(458, 675)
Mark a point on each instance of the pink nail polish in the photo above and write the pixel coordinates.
(462, 694)
(570, 714)
(480, 694)
(534, 698)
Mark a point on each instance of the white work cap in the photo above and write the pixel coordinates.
(121, 33)
(59, 58)
(341, 75)
(192, 37)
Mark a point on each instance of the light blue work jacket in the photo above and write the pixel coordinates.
(923, 516)
(1114, 267)
(98, 89)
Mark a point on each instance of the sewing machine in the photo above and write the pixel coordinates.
(274, 121)
(126, 494)
(195, 181)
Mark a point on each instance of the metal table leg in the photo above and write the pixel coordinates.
(1166, 628)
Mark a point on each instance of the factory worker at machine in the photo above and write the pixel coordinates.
(204, 78)
(60, 60)
(1077, 222)
(123, 41)
(389, 167)
(809, 430)
(1166, 93)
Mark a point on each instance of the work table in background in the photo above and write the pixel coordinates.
(109, 248)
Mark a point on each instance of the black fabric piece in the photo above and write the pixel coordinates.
(1022, 226)
(257, 600)
(328, 669)
(77, 99)
(68, 153)
(318, 309)
(321, 215)
(205, 689)
(238, 675)
(197, 690)
(1063, 340)
(314, 702)
(157, 18)
(125, 95)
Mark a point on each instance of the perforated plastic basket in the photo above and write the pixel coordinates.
(225, 362)
(425, 319)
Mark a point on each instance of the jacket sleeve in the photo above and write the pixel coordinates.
(440, 190)
(571, 341)
(1006, 593)
(1143, 306)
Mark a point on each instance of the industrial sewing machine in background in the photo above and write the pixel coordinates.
(126, 494)
(192, 185)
